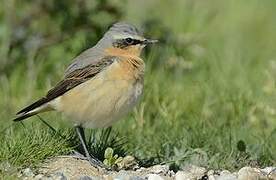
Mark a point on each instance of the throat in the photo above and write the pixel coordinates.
(130, 62)
(127, 52)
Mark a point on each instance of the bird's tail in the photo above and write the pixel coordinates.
(33, 109)
(23, 116)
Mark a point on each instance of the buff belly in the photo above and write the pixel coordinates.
(99, 102)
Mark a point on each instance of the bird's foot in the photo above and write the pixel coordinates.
(92, 160)
(97, 163)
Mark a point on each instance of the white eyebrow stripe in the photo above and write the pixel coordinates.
(124, 36)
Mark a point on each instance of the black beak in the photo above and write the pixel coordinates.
(150, 41)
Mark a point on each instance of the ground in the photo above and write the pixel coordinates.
(67, 167)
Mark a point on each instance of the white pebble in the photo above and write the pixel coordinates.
(28, 172)
(226, 177)
(247, 173)
(269, 170)
(154, 177)
(180, 175)
(38, 177)
(157, 169)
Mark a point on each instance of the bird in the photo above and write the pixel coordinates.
(100, 86)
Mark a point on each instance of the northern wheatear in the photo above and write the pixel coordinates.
(101, 85)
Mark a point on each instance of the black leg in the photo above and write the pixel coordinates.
(93, 161)
(81, 135)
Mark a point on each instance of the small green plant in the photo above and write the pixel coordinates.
(111, 160)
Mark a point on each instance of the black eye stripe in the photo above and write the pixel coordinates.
(123, 43)
(136, 41)
(131, 41)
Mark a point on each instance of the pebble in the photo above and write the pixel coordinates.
(5, 166)
(225, 172)
(248, 173)
(154, 177)
(86, 178)
(180, 175)
(212, 177)
(226, 177)
(136, 178)
(171, 173)
(272, 174)
(210, 172)
(195, 170)
(39, 177)
(122, 175)
(141, 169)
(160, 169)
(269, 172)
(125, 176)
(190, 173)
(28, 172)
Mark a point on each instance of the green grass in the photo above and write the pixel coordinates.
(209, 90)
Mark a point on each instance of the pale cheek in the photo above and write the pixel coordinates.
(137, 49)
(142, 46)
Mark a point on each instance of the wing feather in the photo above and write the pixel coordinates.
(70, 81)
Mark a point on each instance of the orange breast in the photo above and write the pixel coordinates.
(130, 66)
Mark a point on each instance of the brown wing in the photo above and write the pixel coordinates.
(70, 81)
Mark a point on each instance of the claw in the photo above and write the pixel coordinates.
(97, 163)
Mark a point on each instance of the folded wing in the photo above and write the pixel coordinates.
(70, 81)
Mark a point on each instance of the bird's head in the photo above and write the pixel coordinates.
(126, 37)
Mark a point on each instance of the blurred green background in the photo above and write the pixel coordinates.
(209, 90)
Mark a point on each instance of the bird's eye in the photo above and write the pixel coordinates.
(129, 40)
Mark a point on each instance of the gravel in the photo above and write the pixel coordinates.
(63, 168)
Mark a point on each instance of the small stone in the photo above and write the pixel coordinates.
(28, 172)
(267, 170)
(5, 166)
(59, 176)
(154, 177)
(171, 173)
(210, 172)
(223, 175)
(141, 169)
(158, 169)
(193, 172)
(199, 171)
(212, 177)
(247, 173)
(123, 175)
(270, 172)
(85, 178)
(272, 176)
(225, 172)
(180, 175)
(136, 178)
(226, 177)
(235, 174)
(38, 177)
